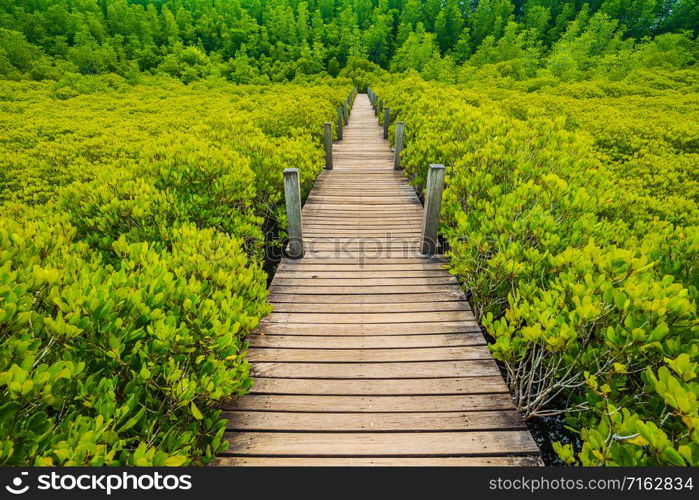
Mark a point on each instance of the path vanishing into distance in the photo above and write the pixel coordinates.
(372, 355)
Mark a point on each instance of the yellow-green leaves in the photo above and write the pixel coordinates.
(195, 411)
(577, 242)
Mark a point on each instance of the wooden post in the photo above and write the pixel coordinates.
(433, 206)
(340, 122)
(328, 140)
(386, 121)
(292, 193)
(400, 130)
(346, 113)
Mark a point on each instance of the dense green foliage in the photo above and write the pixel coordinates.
(130, 266)
(256, 41)
(572, 214)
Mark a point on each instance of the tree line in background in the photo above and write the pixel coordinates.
(256, 41)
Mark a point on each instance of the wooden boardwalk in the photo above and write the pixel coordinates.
(371, 356)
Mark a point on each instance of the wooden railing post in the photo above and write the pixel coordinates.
(328, 141)
(292, 193)
(346, 113)
(400, 131)
(386, 121)
(340, 122)
(433, 206)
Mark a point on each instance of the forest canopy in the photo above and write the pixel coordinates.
(256, 41)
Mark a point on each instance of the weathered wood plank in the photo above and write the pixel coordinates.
(367, 341)
(368, 317)
(374, 404)
(359, 260)
(387, 329)
(429, 369)
(380, 443)
(368, 355)
(372, 422)
(358, 289)
(371, 308)
(364, 282)
(301, 298)
(270, 461)
(304, 265)
(358, 329)
(384, 387)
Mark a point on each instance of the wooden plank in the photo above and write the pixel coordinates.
(368, 355)
(358, 261)
(430, 369)
(398, 207)
(380, 443)
(372, 422)
(336, 189)
(386, 329)
(359, 231)
(367, 245)
(367, 341)
(355, 234)
(300, 298)
(340, 223)
(364, 282)
(381, 214)
(358, 289)
(268, 461)
(371, 308)
(379, 199)
(368, 317)
(364, 218)
(372, 404)
(368, 252)
(315, 233)
(303, 265)
(360, 221)
(384, 387)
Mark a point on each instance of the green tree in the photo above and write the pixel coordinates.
(419, 49)
(449, 25)
(489, 19)
(333, 67)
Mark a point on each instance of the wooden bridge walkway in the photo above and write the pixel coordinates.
(371, 356)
